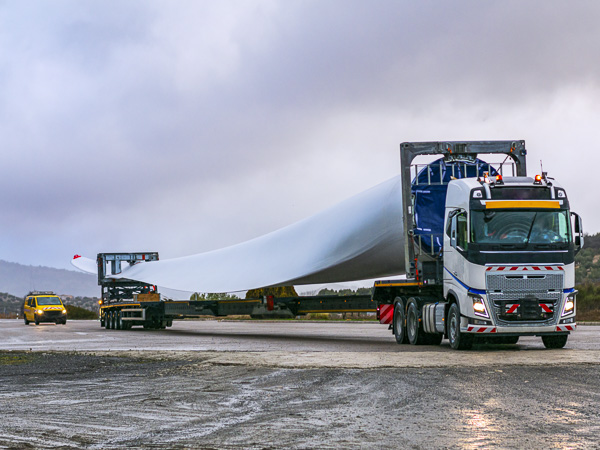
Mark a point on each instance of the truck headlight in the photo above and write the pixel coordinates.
(39, 311)
(64, 311)
(478, 305)
(569, 304)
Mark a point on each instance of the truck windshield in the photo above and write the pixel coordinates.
(45, 301)
(520, 227)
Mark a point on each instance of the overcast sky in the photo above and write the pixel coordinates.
(186, 126)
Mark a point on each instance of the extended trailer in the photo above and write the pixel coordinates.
(126, 303)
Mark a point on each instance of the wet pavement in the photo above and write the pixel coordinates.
(291, 385)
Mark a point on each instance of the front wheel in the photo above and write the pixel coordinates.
(25, 320)
(558, 341)
(400, 322)
(458, 340)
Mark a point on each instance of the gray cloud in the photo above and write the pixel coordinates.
(185, 126)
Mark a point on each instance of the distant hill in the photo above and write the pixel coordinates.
(18, 280)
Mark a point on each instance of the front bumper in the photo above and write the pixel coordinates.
(50, 316)
(520, 330)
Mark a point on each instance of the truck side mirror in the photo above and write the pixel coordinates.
(577, 231)
(453, 232)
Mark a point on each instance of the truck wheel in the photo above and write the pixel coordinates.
(109, 320)
(25, 320)
(414, 331)
(37, 322)
(511, 340)
(555, 341)
(458, 340)
(399, 326)
(118, 320)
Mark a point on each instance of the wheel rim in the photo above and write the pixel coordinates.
(398, 323)
(453, 328)
(412, 325)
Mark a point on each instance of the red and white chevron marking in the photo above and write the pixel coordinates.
(386, 313)
(523, 268)
(479, 329)
(566, 327)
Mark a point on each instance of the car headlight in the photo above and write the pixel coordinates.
(39, 311)
(478, 305)
(569, 304)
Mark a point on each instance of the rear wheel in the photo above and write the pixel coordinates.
(118, 320)
(108, 320)
(555, 341)
(458, 340)
(399, 325)
(414, 331)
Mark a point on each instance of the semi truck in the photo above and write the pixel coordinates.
(488, 255)
(489, 251)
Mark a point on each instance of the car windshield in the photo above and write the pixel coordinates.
(44, 301)
(520, 227)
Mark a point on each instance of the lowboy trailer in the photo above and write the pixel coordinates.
(126, 303)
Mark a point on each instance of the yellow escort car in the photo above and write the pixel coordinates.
(44, 307)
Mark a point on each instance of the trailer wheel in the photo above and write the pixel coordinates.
(119, 320)
(109, 320)
(555, 341)
(399, 325)
(458, 340)
(414, 332)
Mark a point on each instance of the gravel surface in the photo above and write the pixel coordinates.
(198, 400)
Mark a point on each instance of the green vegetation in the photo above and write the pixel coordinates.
(78, 313)
(13, 358)
(212, 296)
(345, 292)
(587, 279)
(282, 291)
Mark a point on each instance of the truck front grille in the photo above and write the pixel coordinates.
(525, 298)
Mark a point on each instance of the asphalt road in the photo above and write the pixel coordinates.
(240, 336)
(228, 384)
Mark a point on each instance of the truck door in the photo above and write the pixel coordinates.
(454, 261)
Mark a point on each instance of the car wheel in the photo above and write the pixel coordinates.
(458, 340)
(555, 341)
(399, 322)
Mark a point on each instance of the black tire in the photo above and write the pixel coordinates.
(414, 330)
(510, 340)
(118, 320)
(64, 322)
(399, 322)
(108, 320)
(558, 341)
(25, 320)
(458, 340)
(37, 322)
